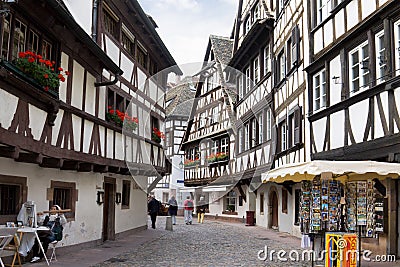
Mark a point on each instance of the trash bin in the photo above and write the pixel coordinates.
(249, 218)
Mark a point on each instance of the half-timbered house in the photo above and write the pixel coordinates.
(64, 144)
(255, 142)
(179, 102)
(209, 139)
(354, 93)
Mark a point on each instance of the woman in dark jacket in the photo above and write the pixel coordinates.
(173, 209)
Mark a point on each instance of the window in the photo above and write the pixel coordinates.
(240, 140)
(281, 67)
(297, 201)
(240, 86)
(63, 194)
(141, 55)
(214, 115)
(269, 125)
(115, 101)
(359, 72)
(202, 120)
(247, 136)
(110, 22)
(267, 60)
(260, 119)
(284, 201)
(261, 203)
(247, 25)
(256, 70)
(294, 127)
(247, 80)
(33, 42)
(19, 38)
(231, 201)
(282, 136)
(295, 47)
(380, 57)
(397, 46)
(128, 41)
(13, 194)
(214, 148)
(319, 91)
(126, 193)
(6, 34)
(256, 13)
(254, 133)
(46, 49)
(279, 4)
(225, 145)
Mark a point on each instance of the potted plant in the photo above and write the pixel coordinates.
(121, 118)
(41, 70)
(157, 135)
(221, 156)
(190, 162)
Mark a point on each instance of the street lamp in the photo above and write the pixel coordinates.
(181, 164)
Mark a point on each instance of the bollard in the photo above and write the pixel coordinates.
(168, 223)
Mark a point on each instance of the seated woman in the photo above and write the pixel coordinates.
(55, 222)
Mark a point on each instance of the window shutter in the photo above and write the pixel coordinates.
(295, 45)
(297, 126)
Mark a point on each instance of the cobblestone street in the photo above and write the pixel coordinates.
(210, 244)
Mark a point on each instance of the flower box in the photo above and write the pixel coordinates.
(122, 119)
(219, 157)
(191, 163)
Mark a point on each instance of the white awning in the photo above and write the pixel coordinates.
(307, 170)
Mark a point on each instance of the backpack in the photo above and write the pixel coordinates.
(57, 229)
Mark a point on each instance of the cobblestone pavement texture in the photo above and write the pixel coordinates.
(209, 244)
(213, 243)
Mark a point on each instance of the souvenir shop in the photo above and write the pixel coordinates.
(343, 205)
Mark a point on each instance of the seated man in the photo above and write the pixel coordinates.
(55, 223)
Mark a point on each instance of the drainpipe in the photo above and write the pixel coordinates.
(97, 84)
(94, 19)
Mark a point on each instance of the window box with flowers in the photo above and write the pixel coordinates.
(191, 162)
(219, 157)
(157, 135)
(37, 71)
(122, 119)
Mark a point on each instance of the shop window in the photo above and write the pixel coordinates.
(13, 194)
(261, 203)
(110, 21)
(284, 200)
(63, 194)
(231, 201)
(126, 193)
(297, 202)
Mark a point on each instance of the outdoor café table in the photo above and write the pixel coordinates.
(27, 237)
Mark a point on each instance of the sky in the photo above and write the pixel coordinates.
(185, 25)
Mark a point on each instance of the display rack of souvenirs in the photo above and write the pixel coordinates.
(333, 200)
(351, 203)
(306, 187)
(315, 213)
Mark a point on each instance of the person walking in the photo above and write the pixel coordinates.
(188, 210)
(173, 209)
(201, 210)
(153, 207)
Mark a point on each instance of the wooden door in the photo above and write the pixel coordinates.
(274, 210)
(109, 209)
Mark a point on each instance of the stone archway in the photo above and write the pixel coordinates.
(273, 209)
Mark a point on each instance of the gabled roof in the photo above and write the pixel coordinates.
(222, 48)
(182, 98)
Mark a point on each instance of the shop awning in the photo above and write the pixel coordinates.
(308, 170)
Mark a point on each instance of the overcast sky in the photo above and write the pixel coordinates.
(185, 25)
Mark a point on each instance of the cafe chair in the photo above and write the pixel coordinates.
(13, 249)
(53, 256)
(4, 241)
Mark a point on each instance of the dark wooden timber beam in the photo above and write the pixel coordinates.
(9, 152)
(100, 168)
(69, 165)
(85, 167)
(239, 187)
(51, 163)
(28, 157)
(113, 169)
